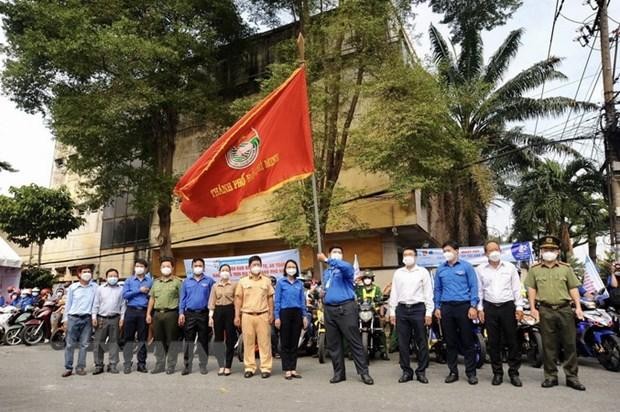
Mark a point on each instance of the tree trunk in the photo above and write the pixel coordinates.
(592, 246)
(40, 244)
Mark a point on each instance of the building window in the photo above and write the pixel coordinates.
(122, 226)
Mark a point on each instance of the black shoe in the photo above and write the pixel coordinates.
(337, 379)
(170, 371)
(421, 378)
(453, 377)
(472, 380)
(248, 374)
(405, 378)
(575, 385)
(203, 370)
(549, 383)
(186, 371)
(158, 369)
(367, 379)
(142, 369)
(265, 375)
(516, 381)
(497, 380)
(98, 370)
(107, 369)
(127, 370)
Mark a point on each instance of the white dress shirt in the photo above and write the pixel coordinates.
(499, 285)
(410, 286)
(109, 301)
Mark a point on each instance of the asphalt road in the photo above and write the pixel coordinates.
(30, 381)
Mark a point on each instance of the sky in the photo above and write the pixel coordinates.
(28, 144)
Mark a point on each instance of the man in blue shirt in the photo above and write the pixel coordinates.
(341, 314)
(136, 292)
(456, 299)
(77, 320)
(194, 315)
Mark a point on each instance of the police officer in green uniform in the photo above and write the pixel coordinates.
(553, 284)
(369, 291)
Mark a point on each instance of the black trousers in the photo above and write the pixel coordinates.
(457, 332)
(410, 321)
(135, 324)
(196, 323)
(341, 321)
(224, 329)
(166, 333)
(501, 326)
(291, 323)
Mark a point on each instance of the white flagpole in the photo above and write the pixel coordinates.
(317, 222)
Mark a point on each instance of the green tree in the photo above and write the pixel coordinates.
(464, 15)
(117, 80)
(35, 214)
(563, 200)
(36, 276)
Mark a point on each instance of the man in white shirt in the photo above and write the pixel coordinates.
(411, 309)
(500, 307)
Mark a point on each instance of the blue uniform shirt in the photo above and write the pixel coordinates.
(80, 299)
(195, 293)
(338, 282)
(456, 283)
(23, 302)
(290, 296)
(132, 294)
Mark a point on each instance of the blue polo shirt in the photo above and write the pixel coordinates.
(290, 296)
(456, 283)
(132, 294)
(338, 282)
(195, 293)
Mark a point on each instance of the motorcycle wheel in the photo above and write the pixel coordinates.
(240, 349)
(610, 356)
(365, 338)
(321, 347)
(31, 336)
(13, 337)
(482, 350)
(534, 353)
(57, 341)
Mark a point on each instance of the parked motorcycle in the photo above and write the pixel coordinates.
(13, 334)
(596, 336)
(8, 314)
(438, 347)
(319, 327)
(530, 340)
(39, 328)
(370, 328)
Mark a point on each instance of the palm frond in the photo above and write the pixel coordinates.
(442, 56)
(530, 79)
(502, 57)
(525, 108)
(470, 62)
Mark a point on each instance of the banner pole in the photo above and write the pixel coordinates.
(317, 222)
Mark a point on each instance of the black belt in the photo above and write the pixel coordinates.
(136, 308)
(339, 304)
(196, 310)
(254, 313)
(81, 316)
(409, 305)
(554, 307)
(497, 305)
(109, 317)
(455, 302)
(166, 310)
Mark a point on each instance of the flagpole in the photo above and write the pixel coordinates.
(317, 222)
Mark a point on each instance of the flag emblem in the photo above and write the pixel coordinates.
(242, 156)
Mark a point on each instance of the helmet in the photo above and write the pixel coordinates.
(368, 274)
(46, 291)
(36, 290)
(10, 289)
(27, 291)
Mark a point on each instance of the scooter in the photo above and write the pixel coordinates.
(438, 346)
(370, 328)
(530, 339)
(319, 327)
(13, 335)
(8, 314)
(40, 327)
(596, 336)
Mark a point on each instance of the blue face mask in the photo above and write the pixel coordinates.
(112, 281)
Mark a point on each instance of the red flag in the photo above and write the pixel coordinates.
(269, 146)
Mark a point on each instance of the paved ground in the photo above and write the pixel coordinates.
(30, 381)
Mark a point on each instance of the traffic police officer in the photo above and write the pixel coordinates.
(553, 284)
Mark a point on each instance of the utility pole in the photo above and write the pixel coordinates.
(612, 143)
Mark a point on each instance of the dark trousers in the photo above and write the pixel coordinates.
(166, 337)
(107, 328)
(410, 321)
(557, 327)
(457, 332)
(135, 324)
(196, 323)
(224, 330)
(341, 322)
(291, 324)
(501, 326)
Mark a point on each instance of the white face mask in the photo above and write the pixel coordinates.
(166, 271)
(225, 275)
(198, 270)
(139, 270)
(495, 256)
(549, 256)
(35, 293)
(112, 281)
(336, 255)
(367, 282)
(291, 271)
(86, 276)
(408, 260)
(449, 256)
(255, 270)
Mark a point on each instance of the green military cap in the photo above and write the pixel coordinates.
(550, 242)
(368, 274)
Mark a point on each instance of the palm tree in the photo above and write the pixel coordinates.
(567, 201)
(481, 107)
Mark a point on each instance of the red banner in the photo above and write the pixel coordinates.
(269, 146)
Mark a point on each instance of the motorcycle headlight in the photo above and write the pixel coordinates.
(365, 315)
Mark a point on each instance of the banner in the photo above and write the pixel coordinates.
(513, 252)
(269, 146)
(592, 281)
(273, 264)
